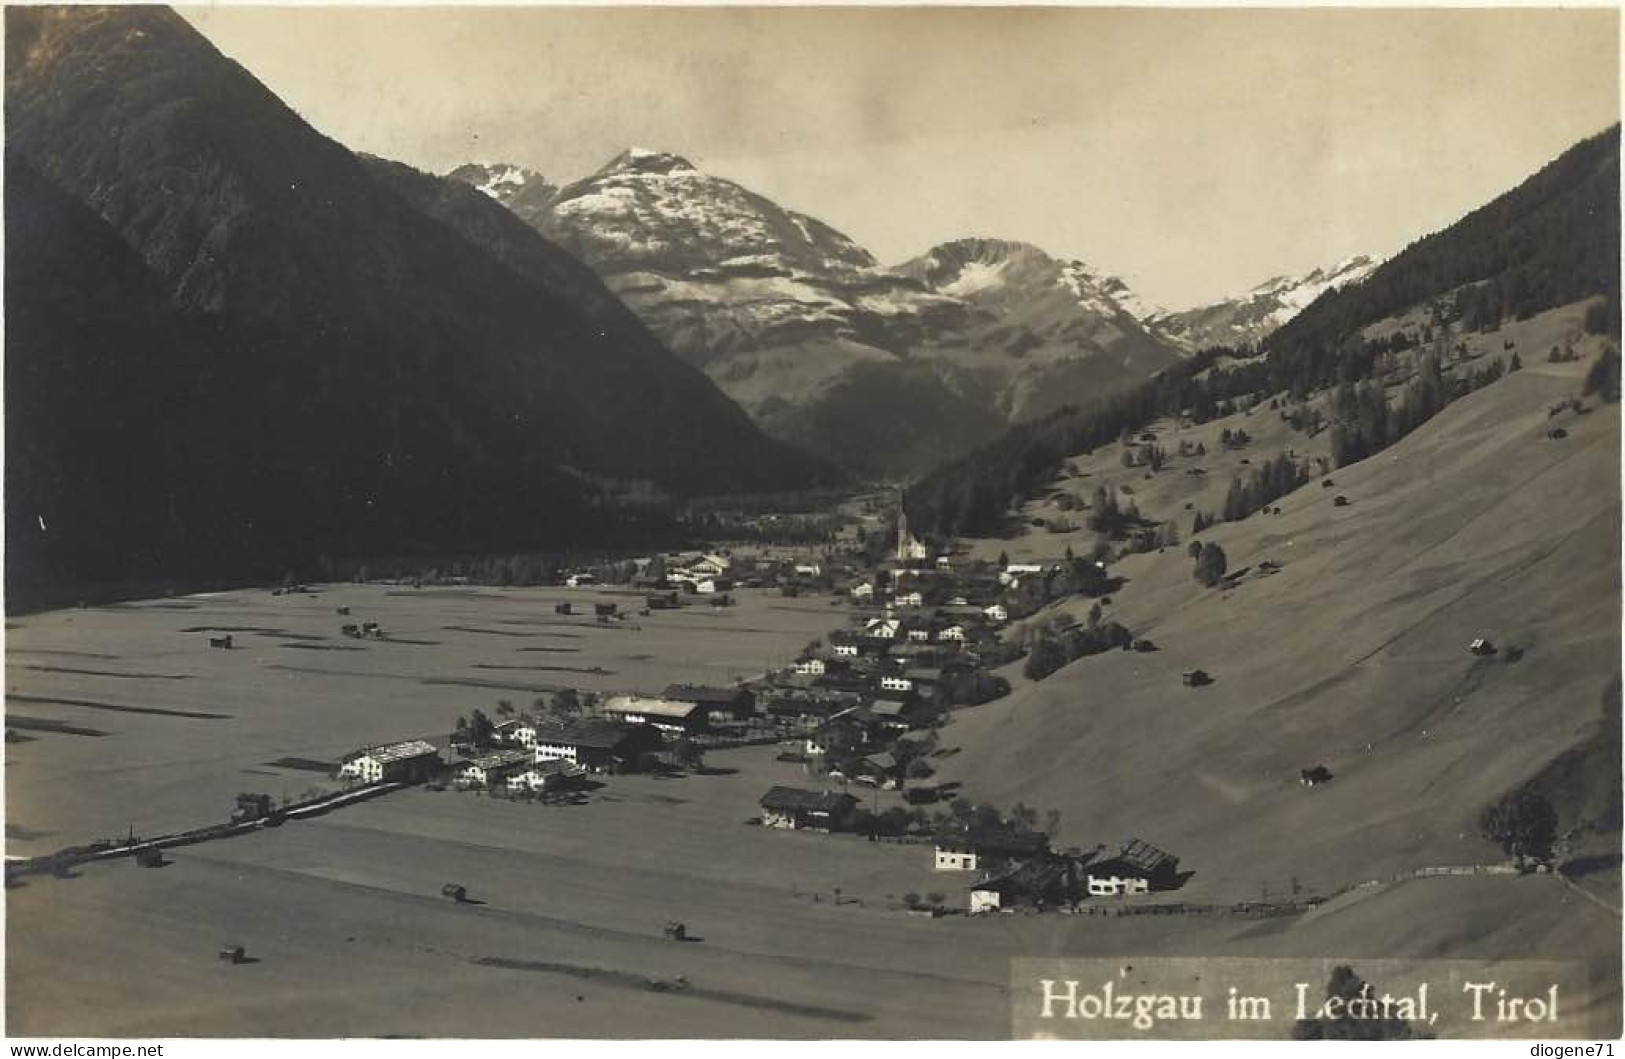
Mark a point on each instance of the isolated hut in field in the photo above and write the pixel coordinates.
(251, 807)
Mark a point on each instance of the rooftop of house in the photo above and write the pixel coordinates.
(650, 707)
(994, 841)
(402, 751)
(501, 758)
(704, 694)
(1144, 856)
(888, 708)
(795, 798)
(597, 735)
(1032, 876)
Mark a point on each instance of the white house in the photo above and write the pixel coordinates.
(896, 683)
(1138, 869)
(407, 762)
(882, 628)
(1012, 574)
(523, 734)
(845, 649)
(490, 770)
(580, 580)
(865, 590)
(997, 613)
(709, 565)
(544, 775)
(810, 667)
(808, 570)
(955, 633)
(911, 599)
(1114, 885)
(919, 634)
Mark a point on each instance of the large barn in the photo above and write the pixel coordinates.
(599, 746)
(411, 761)
(791, 808)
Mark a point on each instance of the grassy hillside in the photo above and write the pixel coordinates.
(1353, 655)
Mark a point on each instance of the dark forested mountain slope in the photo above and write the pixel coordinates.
(1552, 240)
(411, 388)
(118, 466)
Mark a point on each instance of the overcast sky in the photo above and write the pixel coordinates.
(1194, 152)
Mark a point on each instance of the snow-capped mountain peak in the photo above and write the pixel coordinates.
(497, 179)
(1251, 317)
(878, 368)
(648, 161)
(524, 191)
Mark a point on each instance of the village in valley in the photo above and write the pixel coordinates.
(856, 716)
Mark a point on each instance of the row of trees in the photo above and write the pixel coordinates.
(1365, 424)
(1268, 482)
(1073, 576)
(478, 729)
(1211, 563)
(965, 815)
(1055, 643)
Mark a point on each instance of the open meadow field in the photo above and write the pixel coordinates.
(562, 938)
(798, 935)
(132, 720)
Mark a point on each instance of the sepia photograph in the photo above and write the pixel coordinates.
(796, 523)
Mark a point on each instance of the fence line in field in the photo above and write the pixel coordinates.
(73, 855)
